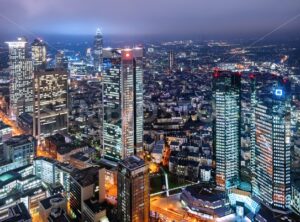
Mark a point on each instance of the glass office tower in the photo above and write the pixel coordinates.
(98, 50)
(226, 89)
(21, 78)
(39, 54)
(50, 103)
(122, 102)
(272, 160)
(133, 190)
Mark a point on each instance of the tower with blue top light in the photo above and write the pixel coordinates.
(272, 160)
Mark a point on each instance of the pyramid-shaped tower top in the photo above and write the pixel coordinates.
(98, 32)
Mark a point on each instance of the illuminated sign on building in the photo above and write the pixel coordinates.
(278, 92)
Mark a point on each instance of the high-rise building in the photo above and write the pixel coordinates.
(122, 103)
(171, 60)
(226, 89)
(133, 190)
(50, 103)
(272, 160)
(83, 185)
(61, 62)
(39, 54)
(98, 50)
(21, 78)
(248, 101)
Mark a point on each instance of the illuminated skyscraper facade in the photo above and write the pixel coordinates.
(21, 78)
(61, 61)
(133, 190)
(226, 88)
(39, 54)
(171, 60)
(272, 161)
(50, 103)
(122, 102)
(98, 50)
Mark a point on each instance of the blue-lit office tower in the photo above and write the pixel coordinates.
(122, 102)
(98, 50)
(226, 90)
(272, 166)
(21, 78)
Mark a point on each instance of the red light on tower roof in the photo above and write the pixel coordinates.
(216, 69)
(216, 74)
(127, 55)
(252, 76)
(284, 80)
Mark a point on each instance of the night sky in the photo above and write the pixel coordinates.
(147, 17)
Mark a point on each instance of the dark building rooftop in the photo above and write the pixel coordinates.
(80, 156)
(57, 139)
(132, 162)
(56, 188)
(148, 139)
(26, 117)
(205, 193)
(86, 177)
(48, 202)
(94, 205)
(17, 213)
(58, 215)
(19, 140)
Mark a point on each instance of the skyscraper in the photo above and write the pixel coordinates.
(39, 54)
(122, 102)
(133, 190)
(61, 62)
(21, 78)
(171, 60)
(272, 160)
(98, 50)
(248, 101)
(50, 103)
(226, 89)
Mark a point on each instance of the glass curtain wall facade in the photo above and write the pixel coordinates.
(226, 87)
(272, 160)
(21, 78)
(122, 103)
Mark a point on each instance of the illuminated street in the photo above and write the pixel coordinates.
(169, 209)
(36, 217)
(16, 130)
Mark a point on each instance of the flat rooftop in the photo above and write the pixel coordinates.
(132, 162)
(86, 177)
(17, 213)
(8, 177)
(205, 193)
(94, 205)
(19, 140)
(50, 201)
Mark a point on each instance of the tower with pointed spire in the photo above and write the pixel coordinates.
(97, 50)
